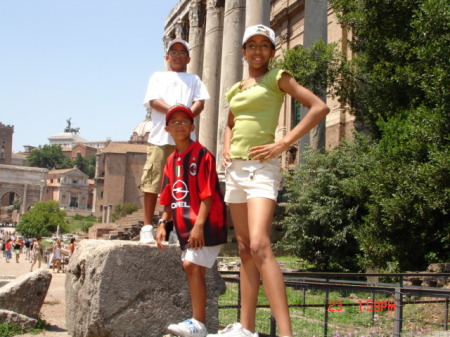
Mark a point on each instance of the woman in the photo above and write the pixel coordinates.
(37, 252)
(17, 249)
(253, 173)
(57, 256)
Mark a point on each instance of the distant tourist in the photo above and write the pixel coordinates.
(191, 196)
(71, 247)
(57, 256)
(8, 247)
(37, 253)
(17, 249)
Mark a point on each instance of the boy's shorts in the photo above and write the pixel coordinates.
(246, 179)
(205, 256)
(154, 167)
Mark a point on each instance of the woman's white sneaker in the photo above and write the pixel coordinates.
(188, 328)
(234, 330)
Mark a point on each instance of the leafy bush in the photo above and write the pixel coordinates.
(123, 210)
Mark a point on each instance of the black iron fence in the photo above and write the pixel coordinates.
(351, 304)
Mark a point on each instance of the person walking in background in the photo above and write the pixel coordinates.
(71, 247)
(8, 248)
(37, 252)
(164, 90)
(57, 256)
(253, 173)
(191, 196)
(26, 248)
(17, 249)
(30, 251)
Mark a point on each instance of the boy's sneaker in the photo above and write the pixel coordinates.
(189, 328)
(234, 330)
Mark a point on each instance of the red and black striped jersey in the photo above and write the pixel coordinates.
(188, 178)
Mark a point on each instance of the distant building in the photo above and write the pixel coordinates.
(80, 149)
(23, 184)
(141, 132)
(6, 136)
(70, 187)
(66, 139)
(118, 175)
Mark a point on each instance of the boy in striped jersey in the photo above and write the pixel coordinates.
(192, 198)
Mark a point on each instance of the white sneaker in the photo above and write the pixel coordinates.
(189, 328)
(234, 330)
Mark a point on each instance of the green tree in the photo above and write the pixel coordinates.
(43, 219)
(49, 157)
(401, 57)
(315, 67)
(388, 197)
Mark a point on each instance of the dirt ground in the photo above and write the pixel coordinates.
(53, 309)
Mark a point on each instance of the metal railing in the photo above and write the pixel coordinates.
(336, 294)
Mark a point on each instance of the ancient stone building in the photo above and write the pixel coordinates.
(69, 187)
(141, 132)
(66, 139)
(6, 136)
(118, 175)
(214, 30)
(23, 184)
(80, 149)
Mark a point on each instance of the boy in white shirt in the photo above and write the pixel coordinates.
(164, 90)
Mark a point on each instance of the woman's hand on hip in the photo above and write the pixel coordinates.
(268, 151)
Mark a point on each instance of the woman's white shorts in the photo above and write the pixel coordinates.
(246, 179)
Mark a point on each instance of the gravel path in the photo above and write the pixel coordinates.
(53, 309)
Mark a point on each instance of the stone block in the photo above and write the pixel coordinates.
(24, 296)
(11, 317)
(125, 288)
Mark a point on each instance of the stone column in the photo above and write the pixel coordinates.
(211, 74)
(316, 28)
(109, 213)
(233, 29)
(196, 39)
(41, 191)
(166, 40)
(258, 12)
(24, 202)
(103, 209)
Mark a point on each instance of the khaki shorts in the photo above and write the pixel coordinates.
(154, 167)
(246, 179)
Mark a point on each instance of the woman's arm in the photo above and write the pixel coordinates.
(227, 135)
(317, 111)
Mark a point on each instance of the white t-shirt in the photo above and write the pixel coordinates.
(173, 88)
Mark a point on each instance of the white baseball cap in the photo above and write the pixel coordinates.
(184, 43)
(259, 30)
(147, 234)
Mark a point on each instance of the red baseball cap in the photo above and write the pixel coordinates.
(179, 107)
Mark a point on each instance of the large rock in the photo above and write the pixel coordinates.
(24, 296)
(15, 318)
(123, 288)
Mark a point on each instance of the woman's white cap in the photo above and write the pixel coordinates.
(259, 30)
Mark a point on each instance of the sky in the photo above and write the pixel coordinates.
(87, 60)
